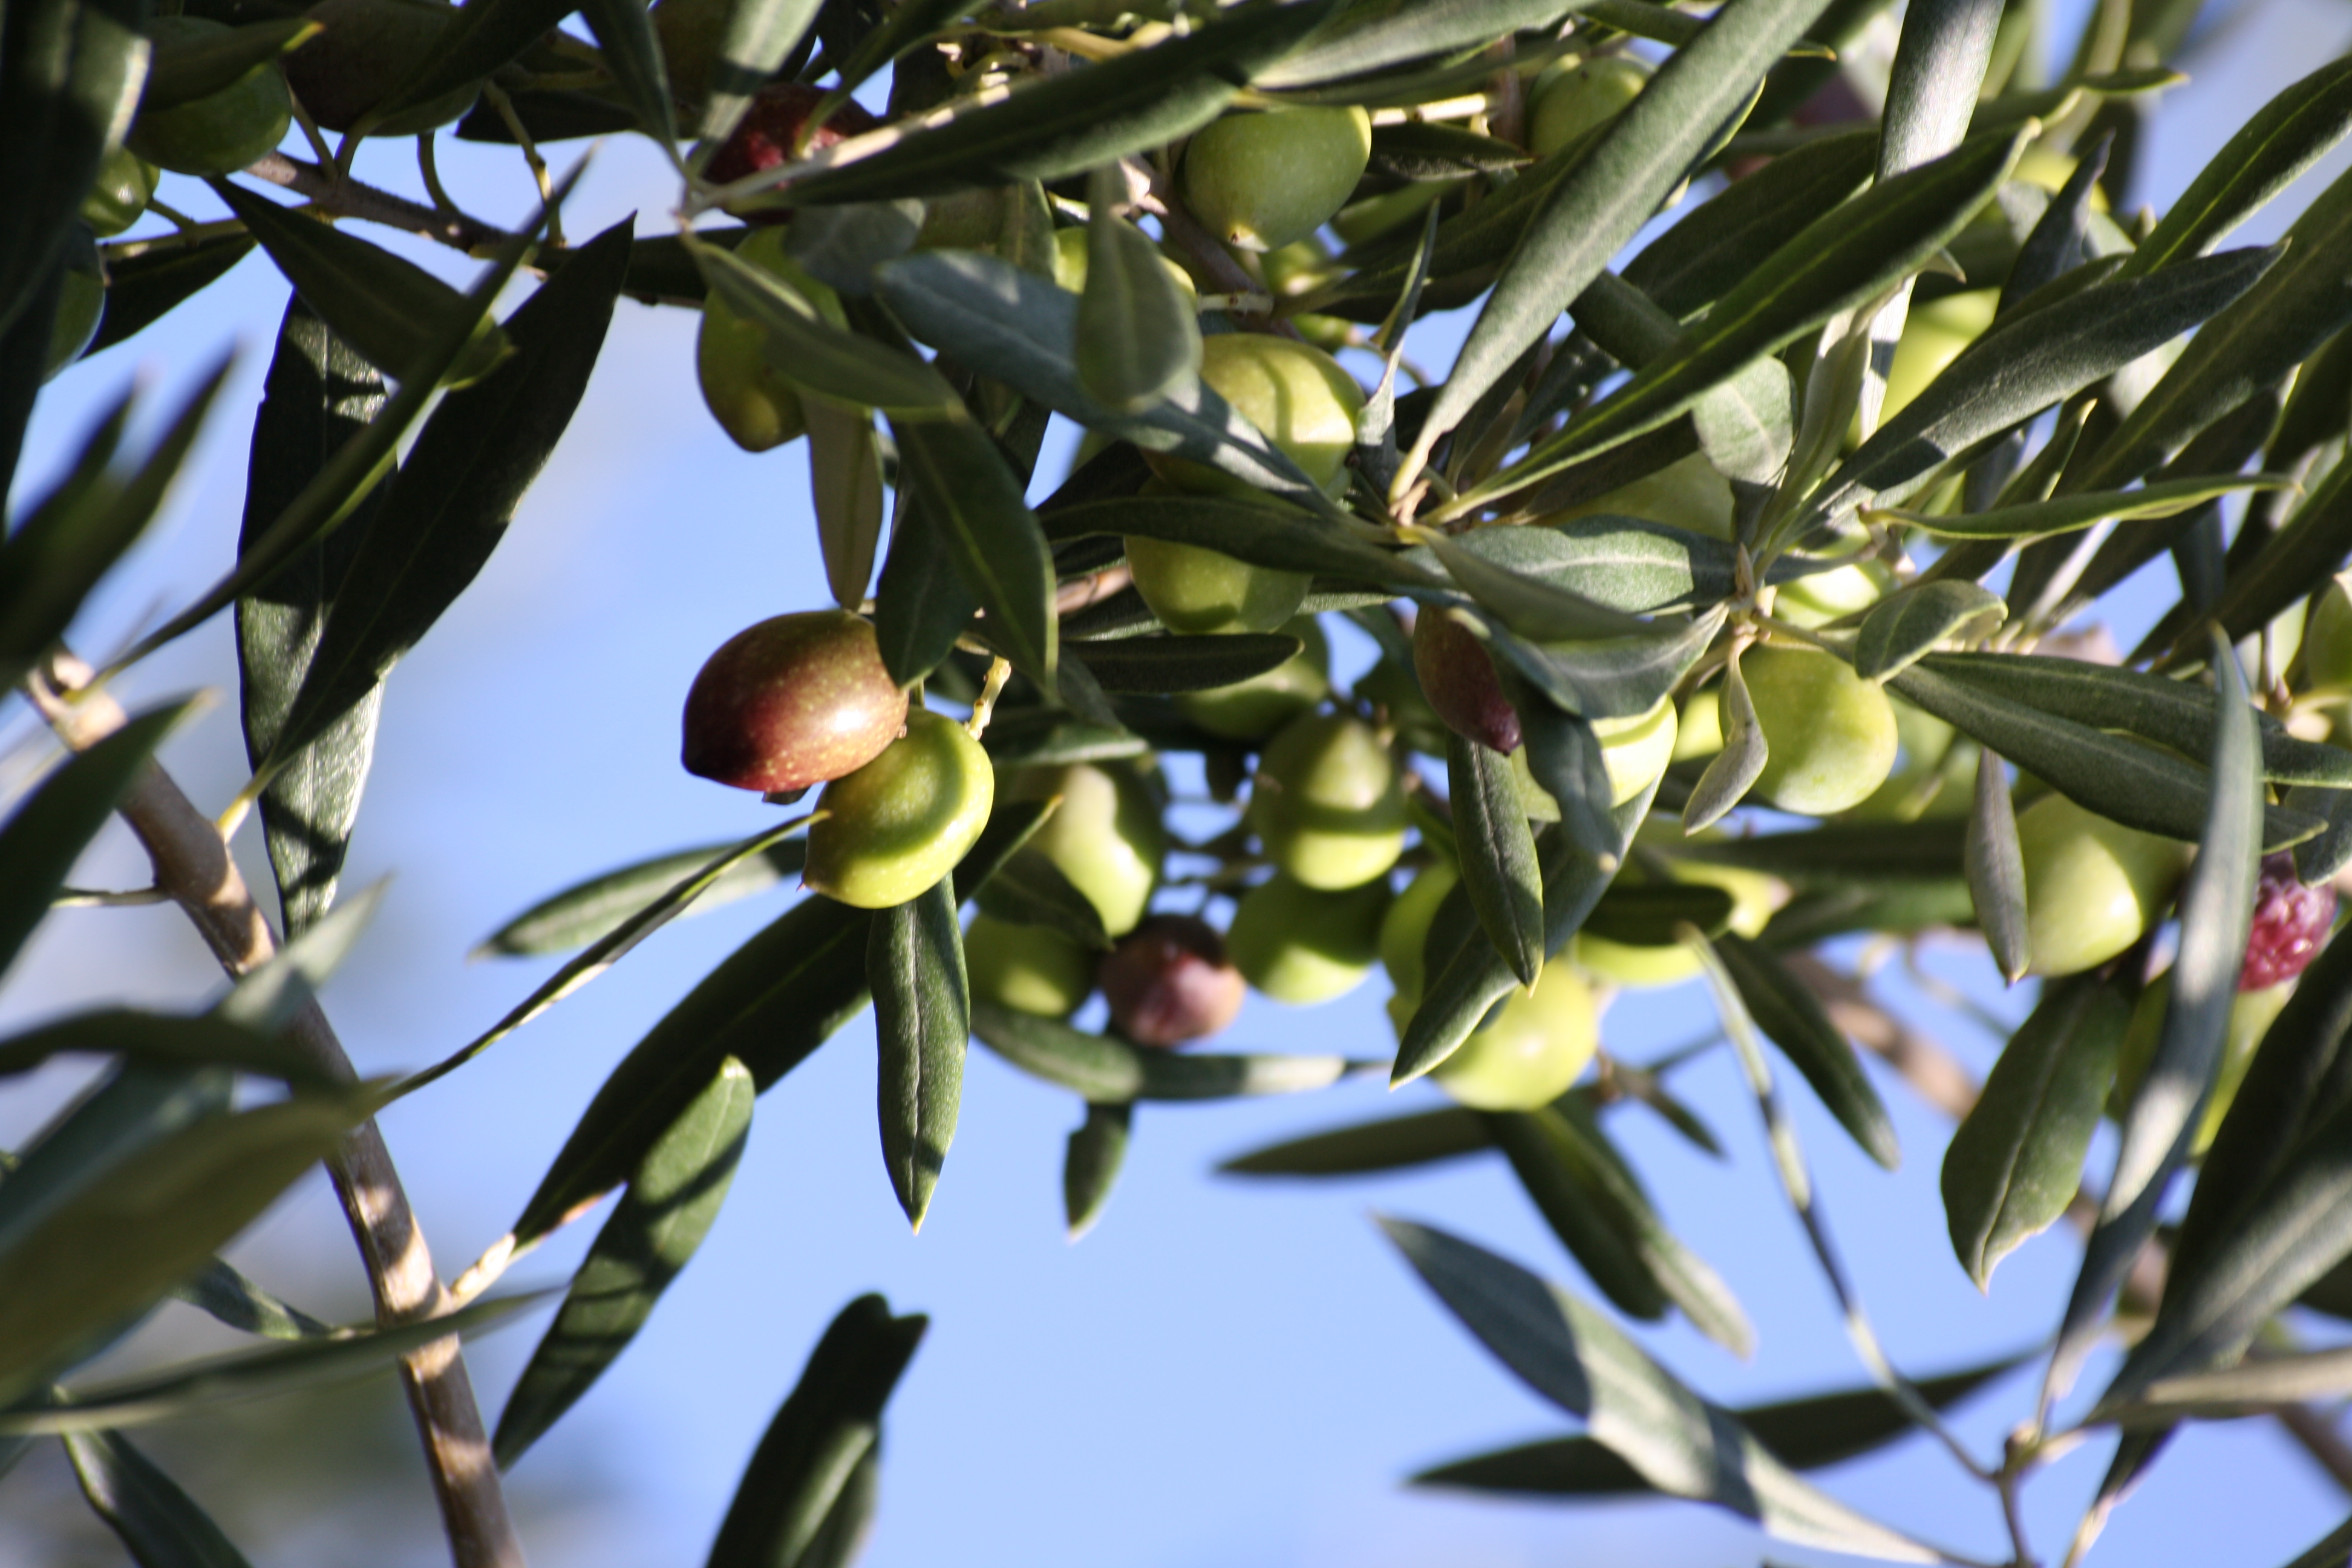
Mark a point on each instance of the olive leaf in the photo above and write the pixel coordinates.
(1497, 853)
(2061, 514)
(922, 1019)
(1109, 1072)
(2262, 158)
(589, 912)
(1904, 624)
(1138, 339)
(1390, 1143)
(142, 289)
(1995, 867)
(846, 493)
(184, 67)
(1793, 1018)
(1091, 1162)
(160, 1524)
(1733, 771)
(71, 79)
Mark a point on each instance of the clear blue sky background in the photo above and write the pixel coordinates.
(1222, 1373)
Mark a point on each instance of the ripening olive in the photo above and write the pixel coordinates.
(2327, 637)
(1253, 709)
(125, 185)
(369, 46)
(221, 132)
(1326, 803)
(1027, 969)
(1458, 678)
(1831, 733)
(1536, 1047)
(1263, 180)
(1105, 836)
(2092, 887)
(1634, 750)
(1571, 100)
(897, 824)
(1168, 981)
(1685, 493)
(792, 701)
(1302, 946)
(770, 133)
(755, 403)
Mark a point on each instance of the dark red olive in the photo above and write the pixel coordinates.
(1168, 981)
(1459, 682)
(765, 137)
(792, 701)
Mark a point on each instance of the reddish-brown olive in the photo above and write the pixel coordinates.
(1460, 682)
(792, 701)
(768, 131)
(1168, 981)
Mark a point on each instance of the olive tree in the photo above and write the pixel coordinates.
(1725, 594)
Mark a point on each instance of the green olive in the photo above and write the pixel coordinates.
(1933, 336)
(1302, 399)
(1027, 969)
(897, 824)
(1299, 267)
(369, 46)
(2092, 887)
(1826, 596)
(1263, 180)
(1755, 898)
(756, 405)
(1328, 804)
(1070, 266)
(1634, 750)
(1572, 99)
(1253, 709)
(1831, 733)
(1198, 592)
(1404, 934)
(81, 302)
(2327, 637)
(1391, 210)
(221, 132)
(2250, 1016)
(1698, 732)
(1536, 1047)
(1302, 946)
(125, 185)
(1685, 493)
(1105, 836)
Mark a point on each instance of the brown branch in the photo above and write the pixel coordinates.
(2321, 1439)
(347, 198)
(192, 865)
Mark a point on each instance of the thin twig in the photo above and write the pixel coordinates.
(353, 198)
(2321, 1439)
(192, 864)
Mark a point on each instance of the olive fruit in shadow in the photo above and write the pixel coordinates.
(1253, 709)
(2250, 1016)
(1105, 836)
(1261, 180)
(792, 701)
(1168, 981)
(1026, 968)
(125, 185)
(1933, 334)
(368, 47)
(1326, 803)
(1197, 592)
(1070, 266)
(900, 823)
(1634, 750)
(2092, 887)
(1755, 898)
(81, 302)
(1300, 945)
(1459, 679)
(1536, 1047)
(1832, 733)
(221, 132)
(754, 403)
(1571, 100)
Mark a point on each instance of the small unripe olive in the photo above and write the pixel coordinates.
(2327, 638)
(1404, 935)
(1262, 180)
(1685, 493)
(1933, 336)
(1253, 709)
(1634, 750)
(1326, 803)
(221, 132)
(125, 185)
(2092, 887)
(1571, 100)
(1831, 733)
(1302, 399)
(2251, 1014)
(1825, 597)
(1534, 1048)
(755, 403)
(1698, 732)
(369, 46)
(1391, 210)
(1105, 836)
(81, 301)
(1027, 969)
(1198, 592)
(792, 701)
(1168, 981)
(897, 825)
(1302, 946)
(1070, 266)
(1755, 897)
(1459, 679)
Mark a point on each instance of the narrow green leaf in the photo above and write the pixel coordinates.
(754, 40)
(2065, 513)
(1715, 245)
(69, 82)
(227, 1296)
(451, 503)
(1562, 1186)
(1647, 914)
(182, 69)
(1575, 1357)
(1390, 1143)
(1109, 1071)
(1262, 532)
(1497, 851)
(141, 290)
(1794, 1019)
(1995, 867)
(1091, 1162)
(1139, 339)
(2250, 1388)
(822, 1439)
(158, 1525)
(2311, 546)
(830, 360)
(190, 1387)
(1619, 183)
(1734, 769)
(1369, 38)
(1032, 891)
(486, 36)
(2327, 1550)
(2016, 1160)
(1534, 609)
(2320, 857)
(126, 1109)
(973, 501)
(1804, 1433)
(1089, 116)
(1909, 622)
(624, 32)
(922, 1019)
(127, 1237)
(845, 492)
(1614, 678)
(2262, 158)
(672, 1200)
(921, 606)
(392, 311)
(1622, 563)
(899, 31)
(591, 910)
(44, 837)
(2216, 915)
(160, 1040)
